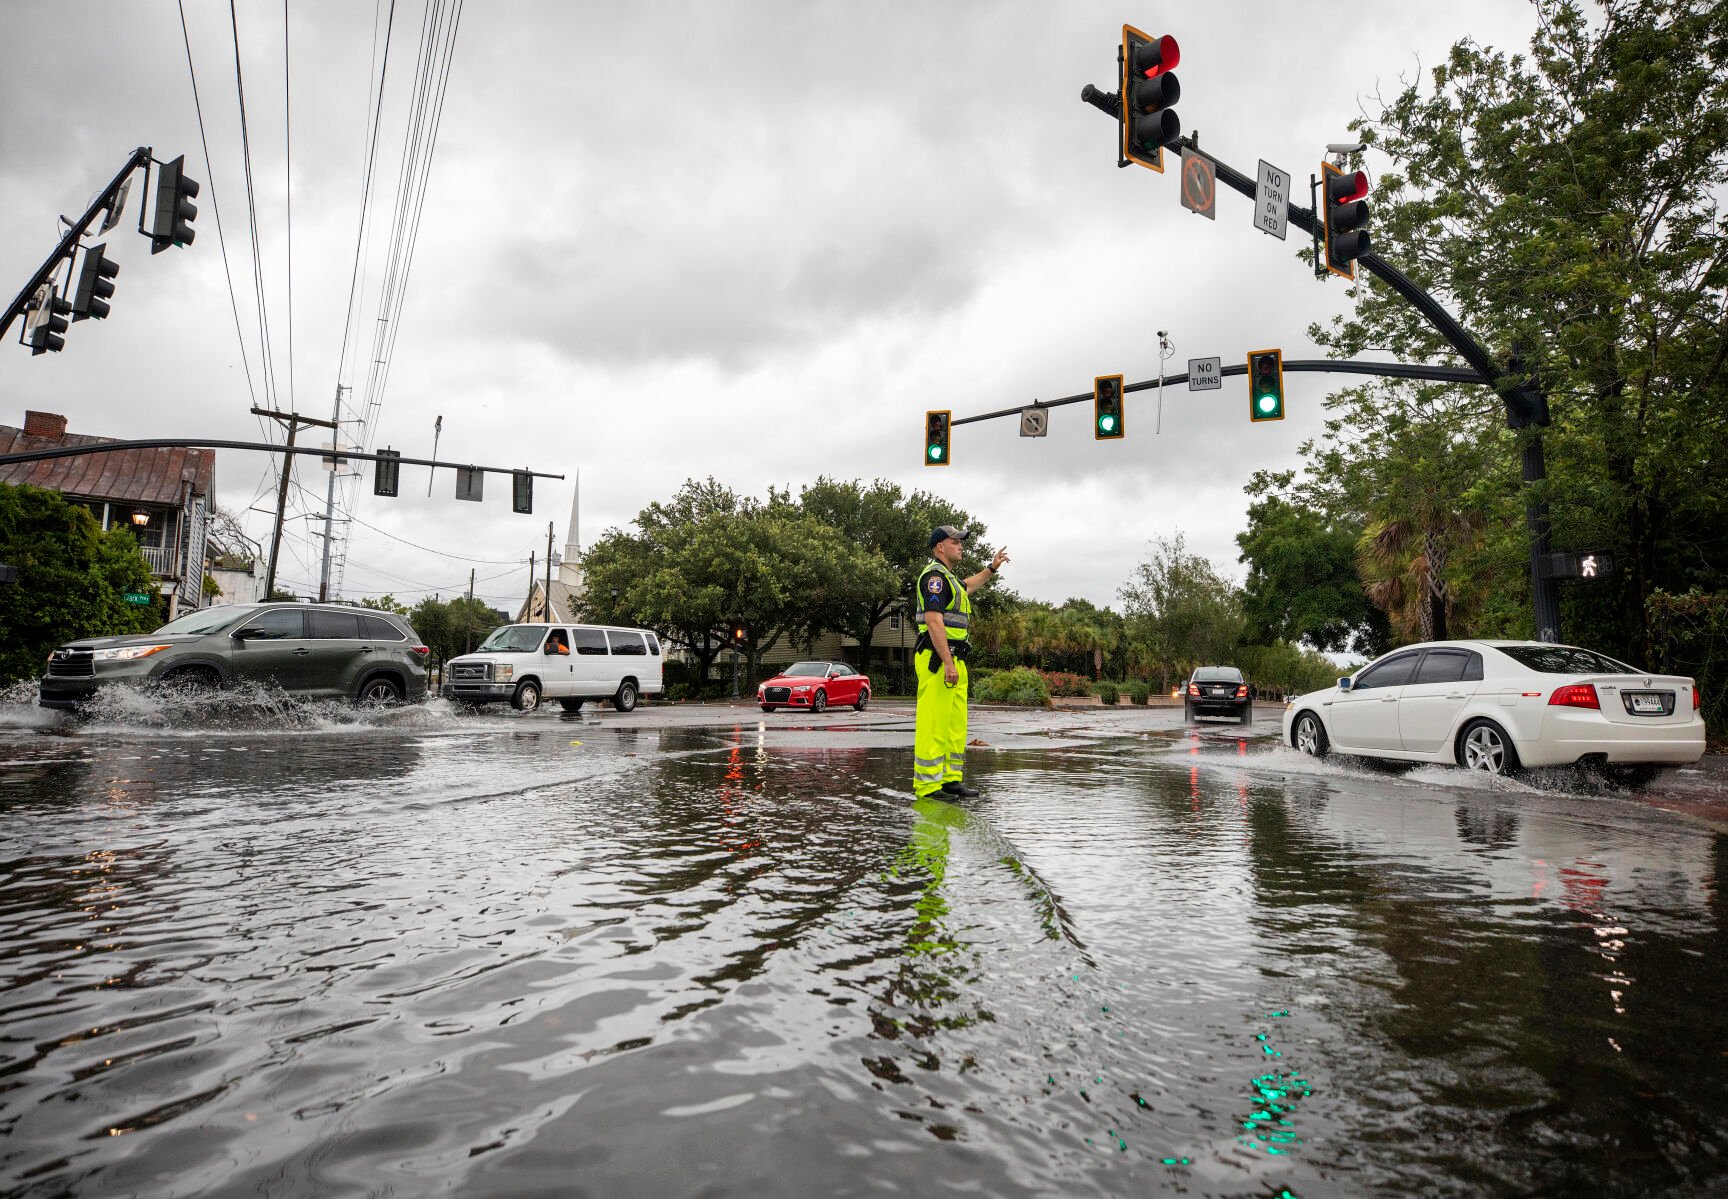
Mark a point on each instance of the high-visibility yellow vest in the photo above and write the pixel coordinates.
(957, 616)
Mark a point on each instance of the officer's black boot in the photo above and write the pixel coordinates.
(959, 789)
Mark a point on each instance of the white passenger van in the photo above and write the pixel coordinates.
(525, 663)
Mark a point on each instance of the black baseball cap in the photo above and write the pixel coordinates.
(944, 532)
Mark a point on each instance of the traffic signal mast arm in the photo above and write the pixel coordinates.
(1390, 370)
(182, 443)
(69, 244)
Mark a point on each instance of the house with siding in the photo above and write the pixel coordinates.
(162, 495)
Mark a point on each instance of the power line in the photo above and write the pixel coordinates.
(270, 388)
(288, 184)
(222, 241)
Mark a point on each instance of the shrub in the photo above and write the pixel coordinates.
(1060, 682)
(1139, 691)
(1020, 686)
(1109, 692)
(676, 692)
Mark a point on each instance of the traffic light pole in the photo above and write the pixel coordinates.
(1526, 404)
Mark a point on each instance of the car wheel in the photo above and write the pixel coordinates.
(863, 699)
(527, 696)
(819, 701)
(767, 707)
(1310, 735)
(1484, 746)
(570, 705)
(1187, 713)
(1247, 716)
(381, 692)
(192, 678)
(625, 700)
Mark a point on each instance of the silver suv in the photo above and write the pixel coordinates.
(323, 651)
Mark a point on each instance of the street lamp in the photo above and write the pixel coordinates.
(140, 518)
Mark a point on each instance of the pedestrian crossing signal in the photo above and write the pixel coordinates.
(1266, 385)
(936, 428)
(1107, 418)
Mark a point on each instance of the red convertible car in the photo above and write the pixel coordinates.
(815, 686)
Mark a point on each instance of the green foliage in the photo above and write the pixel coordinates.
(1139, 691)
(1180, 612)
(387, 603)
(1109, 692)
(1565, 201)
(1020, 687)
(71, 576)
(451, 627)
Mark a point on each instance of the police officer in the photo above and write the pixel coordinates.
(944, 623)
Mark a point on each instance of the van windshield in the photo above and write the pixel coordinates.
(514, 639)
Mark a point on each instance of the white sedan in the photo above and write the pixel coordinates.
(1495, 706)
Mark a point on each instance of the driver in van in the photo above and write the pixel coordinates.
(556, 644)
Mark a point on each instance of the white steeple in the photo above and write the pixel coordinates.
(570, 567)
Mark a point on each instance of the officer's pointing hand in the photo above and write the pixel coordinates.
(999, 559)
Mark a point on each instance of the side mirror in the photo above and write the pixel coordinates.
(1344, 683)
(246, 634)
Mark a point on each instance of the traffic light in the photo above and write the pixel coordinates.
(90, 296)
(50, 332)
(521, 491)
(738, 634)
(1149, 96)
(171, 219)
(1266, 385)
(386, 472)
(936, 437)
(1345, 214)
(1107, 407)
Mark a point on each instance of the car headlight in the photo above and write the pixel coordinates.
(502, 673)
(800, 691)
(126, 653)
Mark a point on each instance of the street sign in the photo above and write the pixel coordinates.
(113, 217)
(1577, 564)
(1199, 184)
(1272, 200)
(1034, 422)
(469, 482)
(333, 460)
(39, 309)
(1205, 374)
(136, 598)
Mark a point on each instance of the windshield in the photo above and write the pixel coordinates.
(514, 639)
(205, 620)
(807, 668)
(1564, 659)
(1217, 674)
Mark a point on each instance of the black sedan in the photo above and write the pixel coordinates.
(1217, 691)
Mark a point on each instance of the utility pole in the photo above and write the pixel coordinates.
(468, 616)
(548, 572)
(330, 496)
(294, 421)
(533, 574)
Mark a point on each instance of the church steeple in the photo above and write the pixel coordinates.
(570, 567)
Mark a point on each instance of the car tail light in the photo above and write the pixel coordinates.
(1242, 691)
(1696, 701)
(1574, 695)
(420, 651)
(1193, 688)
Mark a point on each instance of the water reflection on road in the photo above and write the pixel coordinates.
(316, 953)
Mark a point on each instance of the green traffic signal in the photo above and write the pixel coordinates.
(1107, 417)
(1266, 385)
(936, 426)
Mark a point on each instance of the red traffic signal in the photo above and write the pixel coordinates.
(1149, 96)
(1345, 215)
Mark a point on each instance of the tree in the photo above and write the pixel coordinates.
(1179, 610)
(387, 603)
(895, 528)
(1303, 583)
(72, 578)
(450, 627)
(1566, 202)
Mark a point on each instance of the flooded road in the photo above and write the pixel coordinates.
(303, 951)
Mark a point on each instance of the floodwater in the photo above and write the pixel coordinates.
(266, 949)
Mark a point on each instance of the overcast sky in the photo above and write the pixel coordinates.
(663, 241)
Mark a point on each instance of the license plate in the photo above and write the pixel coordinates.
(1647, 703)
